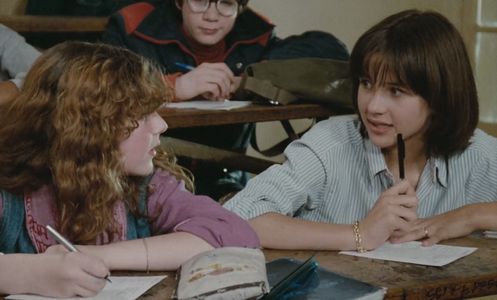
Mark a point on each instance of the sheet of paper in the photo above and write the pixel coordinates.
(415, 253)
(209, 105)
(490, 234)
(122, 288)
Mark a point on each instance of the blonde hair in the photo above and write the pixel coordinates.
(65, 127)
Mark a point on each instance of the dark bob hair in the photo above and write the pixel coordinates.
(426, 53)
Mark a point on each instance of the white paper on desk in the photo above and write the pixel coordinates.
(122, 288)
(490, 234)
(415, 253)
(209, 105)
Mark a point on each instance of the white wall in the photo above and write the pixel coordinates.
(346, 19)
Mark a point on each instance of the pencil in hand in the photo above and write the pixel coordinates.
(64, 242)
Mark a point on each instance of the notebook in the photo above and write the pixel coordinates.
(293, 279)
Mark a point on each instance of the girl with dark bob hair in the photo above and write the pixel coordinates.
(410, 166)
(80, 151)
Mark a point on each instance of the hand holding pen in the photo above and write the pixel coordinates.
(68, 245)
(213, 81)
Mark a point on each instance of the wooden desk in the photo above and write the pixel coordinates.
(471, 276)
(181, 118)
(184, 118)
(27, 23)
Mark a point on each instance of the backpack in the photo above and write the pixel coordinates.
(284, 81)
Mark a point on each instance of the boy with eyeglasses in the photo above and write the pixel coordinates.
(204, 46)
(213, 38)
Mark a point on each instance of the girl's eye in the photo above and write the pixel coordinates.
(396, 91)
(399, 91)
(365, 83)
(147, 116)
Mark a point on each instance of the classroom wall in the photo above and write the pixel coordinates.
(345, 19)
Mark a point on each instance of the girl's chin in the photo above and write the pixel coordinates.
(141, 172)
(381, 141)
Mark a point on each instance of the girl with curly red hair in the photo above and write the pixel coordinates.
(79, 150)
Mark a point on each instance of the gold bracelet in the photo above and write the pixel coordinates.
(358, 238)
(146, 254)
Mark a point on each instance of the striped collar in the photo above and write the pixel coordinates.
(376, 164)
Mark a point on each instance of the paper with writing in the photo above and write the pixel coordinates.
(122, 288)
(415, 253)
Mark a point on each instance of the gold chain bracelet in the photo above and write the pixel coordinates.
(358, 238)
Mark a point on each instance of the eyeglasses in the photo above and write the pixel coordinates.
(226, 8)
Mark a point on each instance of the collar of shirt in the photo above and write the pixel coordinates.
(377, 165)
(439, 169)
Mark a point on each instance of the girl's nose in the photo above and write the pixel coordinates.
(163, 127)
(159, 124)
(376, 103)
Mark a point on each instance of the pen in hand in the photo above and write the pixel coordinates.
(62, 240)
(401, 153)
(184, 67)
(188, 68)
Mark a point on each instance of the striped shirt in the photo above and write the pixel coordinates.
(333, 174)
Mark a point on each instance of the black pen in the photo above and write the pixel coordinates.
(62, 240)
(401, 154)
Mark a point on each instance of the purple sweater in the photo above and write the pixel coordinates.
(173, 210)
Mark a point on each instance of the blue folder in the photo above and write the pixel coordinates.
(291, 279)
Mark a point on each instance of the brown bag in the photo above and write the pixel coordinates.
(284, 81)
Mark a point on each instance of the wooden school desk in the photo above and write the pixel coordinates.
(471, 276)
(43, 32)
(181, 118)
(474, 275)
(25, 23)
(184, 118)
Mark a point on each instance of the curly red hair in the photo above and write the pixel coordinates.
(78, 102)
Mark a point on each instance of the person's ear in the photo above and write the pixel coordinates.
(179, 4)
(241, 8)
